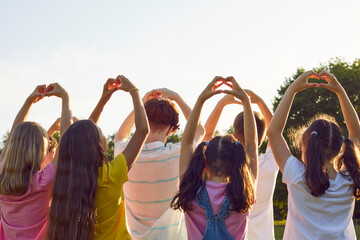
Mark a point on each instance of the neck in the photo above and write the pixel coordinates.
(156, 136)
(217, 179)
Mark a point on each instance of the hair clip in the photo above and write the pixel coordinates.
(314, 133)
(237, 143)
(343, 138)
(206, 143)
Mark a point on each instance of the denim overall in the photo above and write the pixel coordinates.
(215, 224)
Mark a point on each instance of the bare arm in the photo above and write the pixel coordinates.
(23, 113)
(278, 144)
(187, 146)
(66, 116)
(250, 133)
(109, 88)
(125, 129)
(350, 115)
(213, 119)
(132, 150)
(185, 108)
(265, 111)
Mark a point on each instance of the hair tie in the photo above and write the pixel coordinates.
(343, 138)
(237, 143)
(314, 133)
(206, 143)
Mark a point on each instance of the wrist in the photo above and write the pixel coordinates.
(134, 91)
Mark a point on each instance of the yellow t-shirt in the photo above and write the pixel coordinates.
(109, 200)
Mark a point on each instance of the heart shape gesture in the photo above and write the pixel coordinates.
(115, 83)
(316, 78)
(45, 89)
(220, 82)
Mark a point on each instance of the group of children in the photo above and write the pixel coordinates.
(202, 188)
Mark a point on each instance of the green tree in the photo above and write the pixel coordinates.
(110, 150)
(312, 101)
(175, 137)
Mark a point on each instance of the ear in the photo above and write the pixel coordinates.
(170, 130)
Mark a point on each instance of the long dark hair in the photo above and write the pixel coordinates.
(72, 213)
(323, 142)
(224, 157)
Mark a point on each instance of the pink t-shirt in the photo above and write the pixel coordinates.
(195, 220)
(25, 216)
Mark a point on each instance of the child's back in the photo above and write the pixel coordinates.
(25, 216)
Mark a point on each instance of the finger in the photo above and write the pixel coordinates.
(230, 92)
(216, 78)
(216, 92)
(229, 84)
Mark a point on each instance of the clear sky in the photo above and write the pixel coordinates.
(180, 45)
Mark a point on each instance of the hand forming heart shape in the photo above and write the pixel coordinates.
(317, 78)
(114, 84)
(221, 82)
(45, 89)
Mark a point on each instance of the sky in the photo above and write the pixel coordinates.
(180, 45)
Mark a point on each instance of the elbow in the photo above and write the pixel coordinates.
(270, 132)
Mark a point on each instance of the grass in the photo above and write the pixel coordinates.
(280, 227)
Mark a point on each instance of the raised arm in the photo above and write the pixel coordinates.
(265, 111)
(24, 111)
(277, 141)
(109, 88)
(185, 109)
(187, 141)
(66, 115)
(213, 118)
(350, 115)
(125, 129)
(132, 150)
(250, 133)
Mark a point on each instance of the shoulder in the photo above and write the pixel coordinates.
(116, 170)
(293, 170)
(267, 159)
(45, 177)
(119, 147)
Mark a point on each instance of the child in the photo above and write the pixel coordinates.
(261, 222)
(88, 199)
(216, 207)
(323, 186)
(153, 181)
(25, 182)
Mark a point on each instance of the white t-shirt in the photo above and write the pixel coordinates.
(261, 223)
(152, 183)
(328, 216)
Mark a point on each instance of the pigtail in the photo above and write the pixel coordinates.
(240, 188)
(351, 161)
(316, 177)
(191, 181)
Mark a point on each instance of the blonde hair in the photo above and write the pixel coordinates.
(25, 153)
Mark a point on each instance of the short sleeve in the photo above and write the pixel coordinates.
(293, 170)
(270, 159)
(119, 147)
(46, 176)
(118, 169)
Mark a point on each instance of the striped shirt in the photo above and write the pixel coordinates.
(153, 182)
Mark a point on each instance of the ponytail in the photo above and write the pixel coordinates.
(191, 181)
(240, 188)
(316, 177)
(352, 164)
